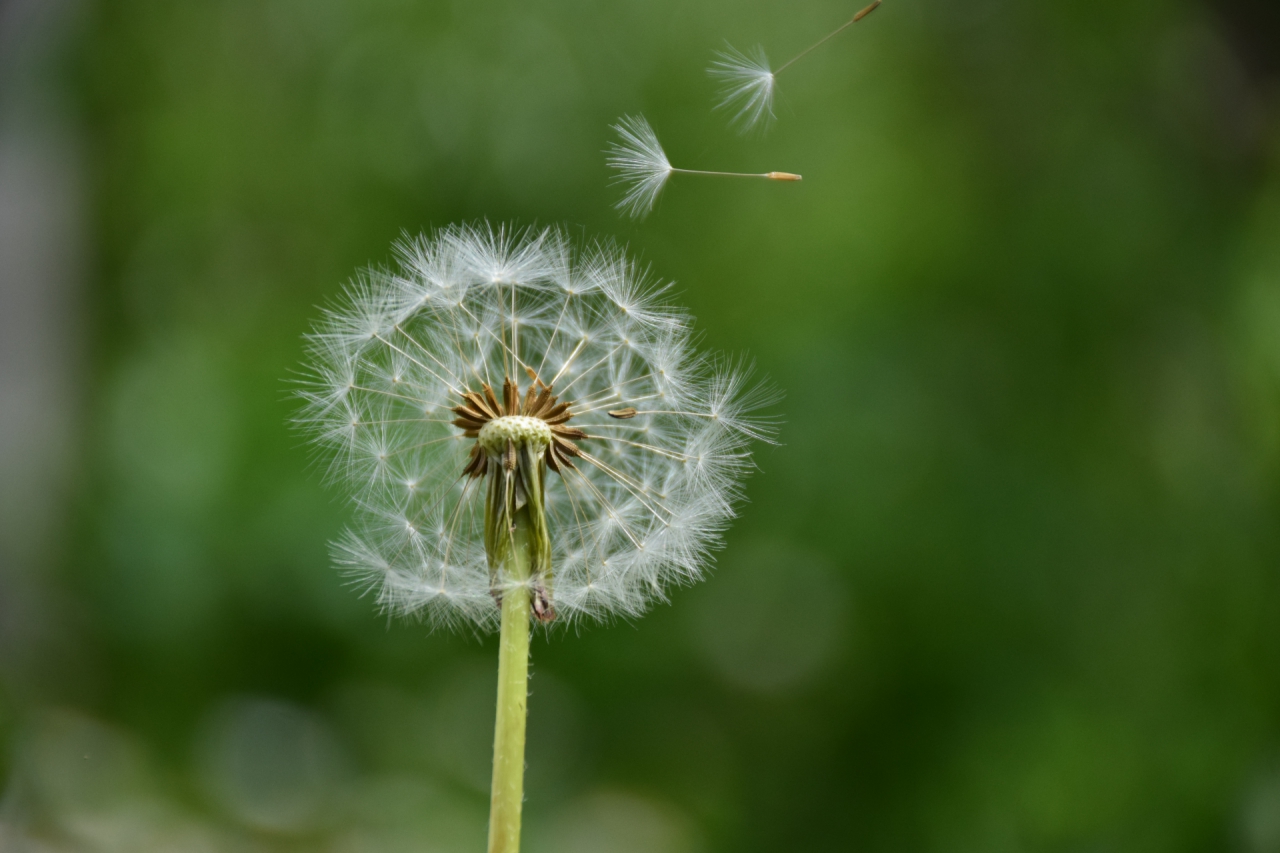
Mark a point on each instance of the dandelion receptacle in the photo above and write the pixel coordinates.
(530, 437)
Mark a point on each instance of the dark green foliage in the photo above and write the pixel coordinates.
(1011, 582)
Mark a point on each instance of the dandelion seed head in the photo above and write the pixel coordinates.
(646, 441)
(641, 163)
(746, 87)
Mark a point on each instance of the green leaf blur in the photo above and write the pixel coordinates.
(1010, 583)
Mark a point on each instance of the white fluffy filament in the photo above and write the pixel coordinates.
(747, 82)
(643, 167)
(466, 306)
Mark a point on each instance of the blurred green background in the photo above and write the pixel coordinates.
(1011, 583)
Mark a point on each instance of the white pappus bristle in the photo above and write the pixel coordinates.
(642, 165)
(468, 306)
(746, 87)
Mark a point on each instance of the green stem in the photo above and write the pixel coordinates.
(518, 549)
(507, 797)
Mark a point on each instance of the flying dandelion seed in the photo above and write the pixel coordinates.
(643, 167)
(493, 371)
(747, 82)
(746, 86)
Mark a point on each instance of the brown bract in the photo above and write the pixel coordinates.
(480, 407)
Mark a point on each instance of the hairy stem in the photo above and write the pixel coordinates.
(507, 797)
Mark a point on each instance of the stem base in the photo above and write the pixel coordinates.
(507, 797)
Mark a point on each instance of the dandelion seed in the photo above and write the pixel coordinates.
(746, 86)
(643, 167)
(747, 82)
(641, 163)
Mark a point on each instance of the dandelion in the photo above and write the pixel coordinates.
(530, 437)
(643, 166)
(747, 82)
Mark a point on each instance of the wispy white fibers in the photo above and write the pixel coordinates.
(747, 82)
(746, 86)
(666, 429)
(643, 167)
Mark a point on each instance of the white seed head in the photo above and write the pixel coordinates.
(649, 488)
(642, 165)
(746, 87)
